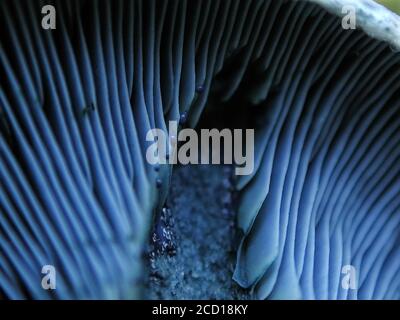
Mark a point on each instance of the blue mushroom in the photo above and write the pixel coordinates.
(76, 192)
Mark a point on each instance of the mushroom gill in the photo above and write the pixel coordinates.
(77, 102)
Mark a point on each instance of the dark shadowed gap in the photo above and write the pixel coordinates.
(193, 244)
(200, 219)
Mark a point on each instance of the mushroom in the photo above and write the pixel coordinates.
(320, 214)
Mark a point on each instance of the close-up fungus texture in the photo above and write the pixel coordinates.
(317, 218)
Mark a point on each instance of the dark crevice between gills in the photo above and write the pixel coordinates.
(193, 246)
